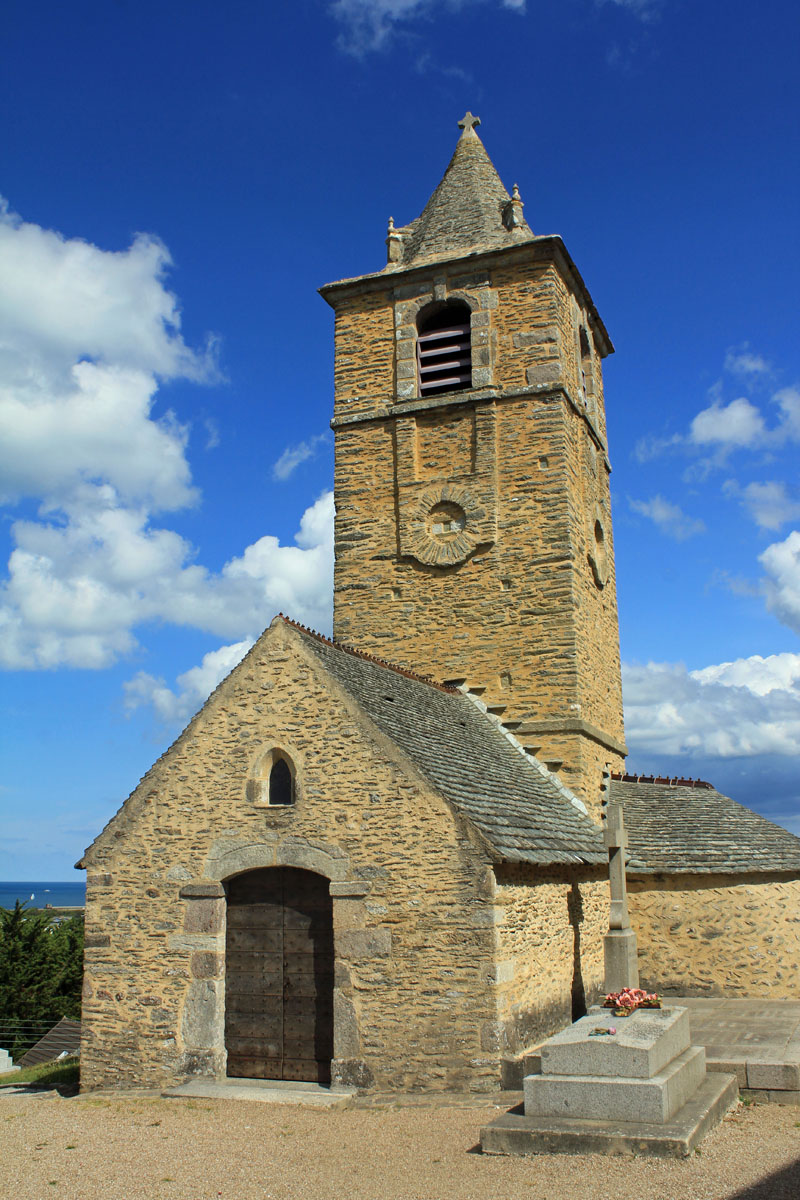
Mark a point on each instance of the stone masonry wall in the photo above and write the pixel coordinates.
(364, 368)
(413, 913)
(550, 949)
(522, 617)
(718, 935)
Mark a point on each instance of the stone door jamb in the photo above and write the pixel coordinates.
(203, 939)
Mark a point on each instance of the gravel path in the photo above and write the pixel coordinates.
(88, 1148)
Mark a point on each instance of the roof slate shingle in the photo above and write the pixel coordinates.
(523, 812)
(676, 830)
(465, 212)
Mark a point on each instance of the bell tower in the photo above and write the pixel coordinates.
(473, 519)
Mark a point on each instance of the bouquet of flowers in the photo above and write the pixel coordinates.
(629, 999)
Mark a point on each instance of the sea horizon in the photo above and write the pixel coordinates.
(37, 893)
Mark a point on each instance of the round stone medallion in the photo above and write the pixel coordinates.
(444, 526)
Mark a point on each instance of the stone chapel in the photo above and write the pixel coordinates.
(377, 860)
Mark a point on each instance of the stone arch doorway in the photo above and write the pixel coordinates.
(279, 975)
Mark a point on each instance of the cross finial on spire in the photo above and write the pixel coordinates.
(468, 123)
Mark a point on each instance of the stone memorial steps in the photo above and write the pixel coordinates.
(616, 1085)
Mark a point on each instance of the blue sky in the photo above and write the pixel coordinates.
(179, 180)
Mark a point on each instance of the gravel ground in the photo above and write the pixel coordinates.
(88, 1147)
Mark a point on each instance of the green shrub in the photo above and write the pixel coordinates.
(41, 974)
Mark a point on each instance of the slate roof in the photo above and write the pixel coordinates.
(63, 1038)
(465, 212)
(684, 829)
(523, 812)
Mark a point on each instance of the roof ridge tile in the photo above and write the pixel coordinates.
(345, 648)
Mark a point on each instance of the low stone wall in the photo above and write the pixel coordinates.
(713, 935)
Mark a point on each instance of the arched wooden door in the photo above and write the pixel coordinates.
(279, 975)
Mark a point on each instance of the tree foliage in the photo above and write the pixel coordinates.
(41, 973)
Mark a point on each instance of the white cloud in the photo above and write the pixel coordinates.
(741, 424)
(788, 401)
(781, 561)
(649, 447)
(63, 300)
(769, 503)
(193, 686)
(733, 710)
(776, 672)
(77, 591)
(93, 426)
(370, 24)
(722, 427)
(728, 426)
(293, 456)
(85, 336)
(669, 518)
(212, 433)
(741, 360)
(645, 9)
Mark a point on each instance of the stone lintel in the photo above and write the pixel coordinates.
(206, 889)
(573, 725)
(350, 889)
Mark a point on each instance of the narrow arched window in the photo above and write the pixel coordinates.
(587, 383)
(281, 784)
(444, 348)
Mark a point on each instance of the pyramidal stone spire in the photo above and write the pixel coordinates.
(469, 211)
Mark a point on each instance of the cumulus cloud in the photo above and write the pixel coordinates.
(95, 426)
(724, 427)
(769, 503)
(728, 426)
(733, 710)
(86, 338)
(193, 686)
(781, 562)
(788, 402)
(77, 591)
(742, 425)
(63, 300)
(669, 518)
(294, 456)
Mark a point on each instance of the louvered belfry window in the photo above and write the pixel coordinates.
(444, 350)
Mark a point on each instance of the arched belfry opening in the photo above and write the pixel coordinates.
(444, 348)
(279, 975)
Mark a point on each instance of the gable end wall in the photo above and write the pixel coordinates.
(413, 912)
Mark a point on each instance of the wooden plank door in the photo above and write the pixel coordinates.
(279, 975)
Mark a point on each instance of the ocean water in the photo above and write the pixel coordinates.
(36, 894)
